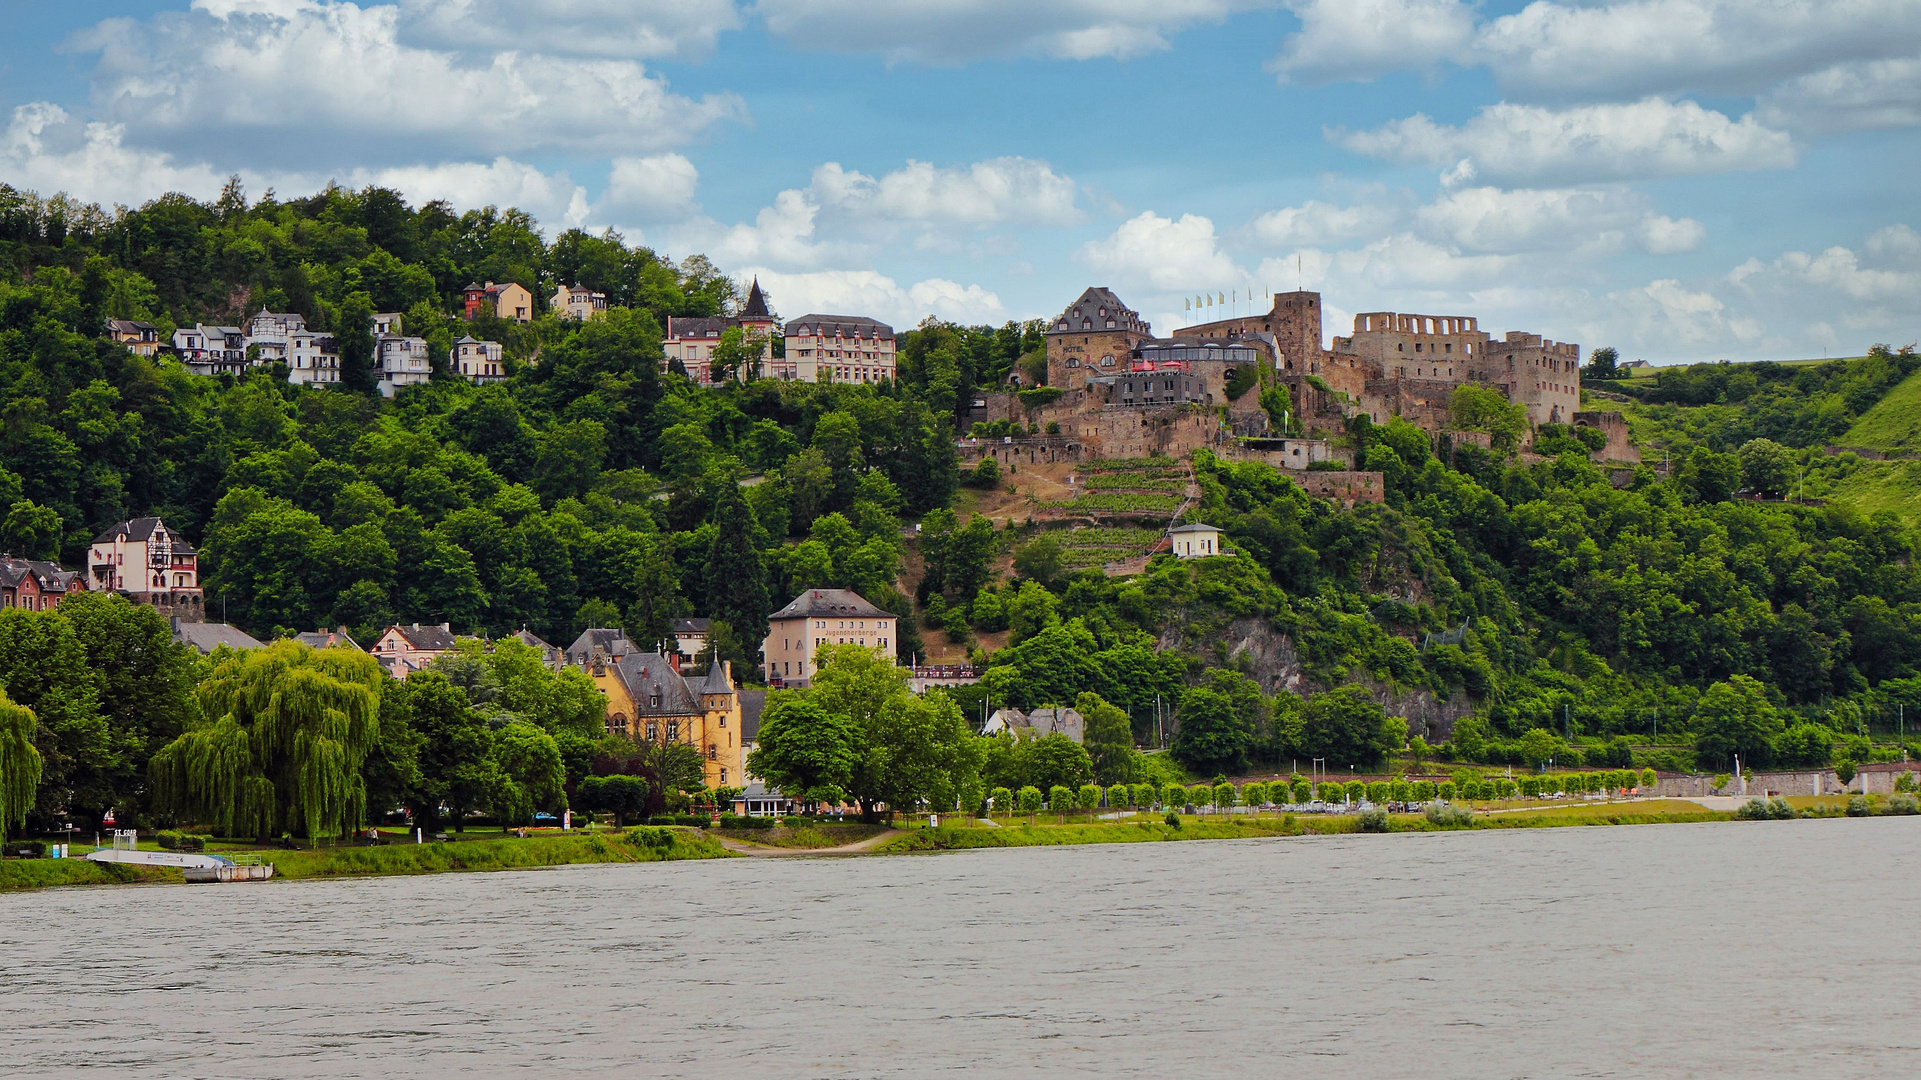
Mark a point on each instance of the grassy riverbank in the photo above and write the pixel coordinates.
(633, 846)
(642, 845)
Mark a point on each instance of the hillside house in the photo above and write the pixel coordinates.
(400, 361)
(576, 302)
(140, 338)
(34, 585)
(818, 617)
(1196, 541)
(403, 650)
(836, 348)
(151, 564)
(211, 350)
(478, 361)
(509, 301)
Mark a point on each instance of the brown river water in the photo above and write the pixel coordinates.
(1765, 949)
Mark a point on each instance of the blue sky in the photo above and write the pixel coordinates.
(1683, 179)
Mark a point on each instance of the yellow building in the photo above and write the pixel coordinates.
(648, 699)
(820, 617)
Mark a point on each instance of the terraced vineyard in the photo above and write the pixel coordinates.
(1095, 546)
(1112, 481)
(1124, 502)
(1128, 488)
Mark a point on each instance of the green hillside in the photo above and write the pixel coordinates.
(1894, 423)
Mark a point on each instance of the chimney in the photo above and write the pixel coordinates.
(447, 627)
(727, 669)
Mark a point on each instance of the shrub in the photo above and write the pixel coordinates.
(1303, 789)
(1721, 780)
(1400, 791)
(1649, 779)
(1424, 790)
(1060, 799)
(1504, 788)
(1844, 770)
(1444, 790)
(1448, 815)
(1356, 789)
(1253, 794)
(1143, 795)
(1119, 796)
(1200, 794)
(1754, 810)
(1859, 806)
(26, 849)
(654, 838)
(1173, 820)
(1904, 804)
(1374, 820)
(1377, 791)
(1906, 783)
(1003, 800)
(1088, 798)
(1030, 799)
(1224, 795)
(170, 840)
(1173, 795)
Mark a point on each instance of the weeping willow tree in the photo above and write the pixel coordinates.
(19, 764)
(281, 752)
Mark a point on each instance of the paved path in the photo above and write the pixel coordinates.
(764, 851)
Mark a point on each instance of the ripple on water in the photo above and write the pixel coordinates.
(1775, 949)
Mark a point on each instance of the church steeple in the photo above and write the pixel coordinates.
(756, 306)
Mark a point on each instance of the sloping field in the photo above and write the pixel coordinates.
(1894, 423)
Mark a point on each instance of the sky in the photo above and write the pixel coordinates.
(1684, 180)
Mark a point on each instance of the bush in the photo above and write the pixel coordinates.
(26, 849)
(1173, 820)
(1904, 804)
(1374, 820)
(1400, 791)
(1356, 789)
(1764, 810)
(1224, 795)
(1118, 797)
(642, 836)
(1303, 790)
(179, 841)
(742, 821)
(1173, 795)
(1444, 790)
(1425, 790)
(1060, 799)
(1003, 800)
(1253, 794)
(1377, 791)
(1142, 796)
(1859, 806)
(1449, 815)
(1648, 780)
(1906, 783)
(1200, 795)
(1088, 798)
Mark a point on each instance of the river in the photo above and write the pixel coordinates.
(1774, 949)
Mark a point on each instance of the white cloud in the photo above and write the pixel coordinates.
(1886, 271)
(1665, 314)
(1635, 47)
(1004, 190)
(1871, 94)
(296, 78)
(46, 150)
(1315, 223)
(956, 31)
(625, 29)
(553, 199)
(867, 292)
(1508, 143)
(1164, 253)
(1363, 39)
(655, 188)
(1530, 219)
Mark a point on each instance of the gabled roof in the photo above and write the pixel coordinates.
(613, 642)
(756, 306)
(527, 637)
(426, 638)
(843, 325)
(48, 577)
(693, 626)
(1084, 314)
(1193, 527)
(830, 604)
(647, 675)
(134, 529)
(695, 326)
(323, 639)
(207, 637)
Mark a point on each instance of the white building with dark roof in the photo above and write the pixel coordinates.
(151, 564)
(821, 617)
(1195, 541)
(400, 361)
(478, 361)
(836, 348)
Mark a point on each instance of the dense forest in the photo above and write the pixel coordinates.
(1563, 611)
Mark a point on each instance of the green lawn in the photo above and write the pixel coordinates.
(1894, 423)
